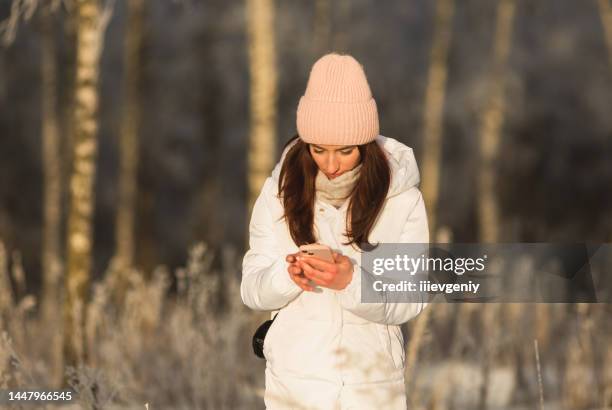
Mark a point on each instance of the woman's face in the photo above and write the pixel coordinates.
(335, 160)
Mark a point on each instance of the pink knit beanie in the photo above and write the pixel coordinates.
(337, 107)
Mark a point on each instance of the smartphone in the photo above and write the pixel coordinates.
(318, 250)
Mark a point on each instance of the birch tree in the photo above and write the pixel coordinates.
(50, 142)
(91, 25)
(128, 146)
(434, 109)
(263, 94)
(51, 258)
(432, 162)
(491, 123)
(492, 118)
(52, 266)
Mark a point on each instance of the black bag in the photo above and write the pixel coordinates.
(260, 335)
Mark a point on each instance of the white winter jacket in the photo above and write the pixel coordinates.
(326, 349)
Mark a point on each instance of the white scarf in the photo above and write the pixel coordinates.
(336, 191)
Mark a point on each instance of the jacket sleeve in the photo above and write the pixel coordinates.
(265, 284)
(415, 230)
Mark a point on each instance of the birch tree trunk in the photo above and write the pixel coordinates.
(492, 119)
(91, 25)
(263, 94)
(605, 11)
(322, 27)
(51, 257)
(434, 109)
(68, 74)
(128, 146)
(490, 129)
(52, 195)
(7, 299)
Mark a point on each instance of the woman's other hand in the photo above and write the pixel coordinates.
(296, 274)
(335, 275)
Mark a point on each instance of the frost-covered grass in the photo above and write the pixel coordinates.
(191, 349)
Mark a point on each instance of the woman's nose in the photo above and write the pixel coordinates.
(332, 165)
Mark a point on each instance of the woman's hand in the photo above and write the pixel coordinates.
(296, 274)
(335, 275)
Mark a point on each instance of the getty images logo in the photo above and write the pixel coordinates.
(412, 265)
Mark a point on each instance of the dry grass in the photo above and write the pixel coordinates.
(190, 349)
(177, 351)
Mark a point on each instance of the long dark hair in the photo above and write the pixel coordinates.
(296, 188)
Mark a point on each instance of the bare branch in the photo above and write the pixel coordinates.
(20, 9)
(106, 15)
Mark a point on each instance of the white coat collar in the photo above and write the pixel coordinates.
(404, 170)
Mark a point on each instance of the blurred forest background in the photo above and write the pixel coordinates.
(135, 134)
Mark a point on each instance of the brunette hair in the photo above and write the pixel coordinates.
(296, 187)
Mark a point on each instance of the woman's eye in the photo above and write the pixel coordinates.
(317, 151)
(346, 152)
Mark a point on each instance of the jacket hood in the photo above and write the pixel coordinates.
(404, 170)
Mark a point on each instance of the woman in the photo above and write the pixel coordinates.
(341, 184)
